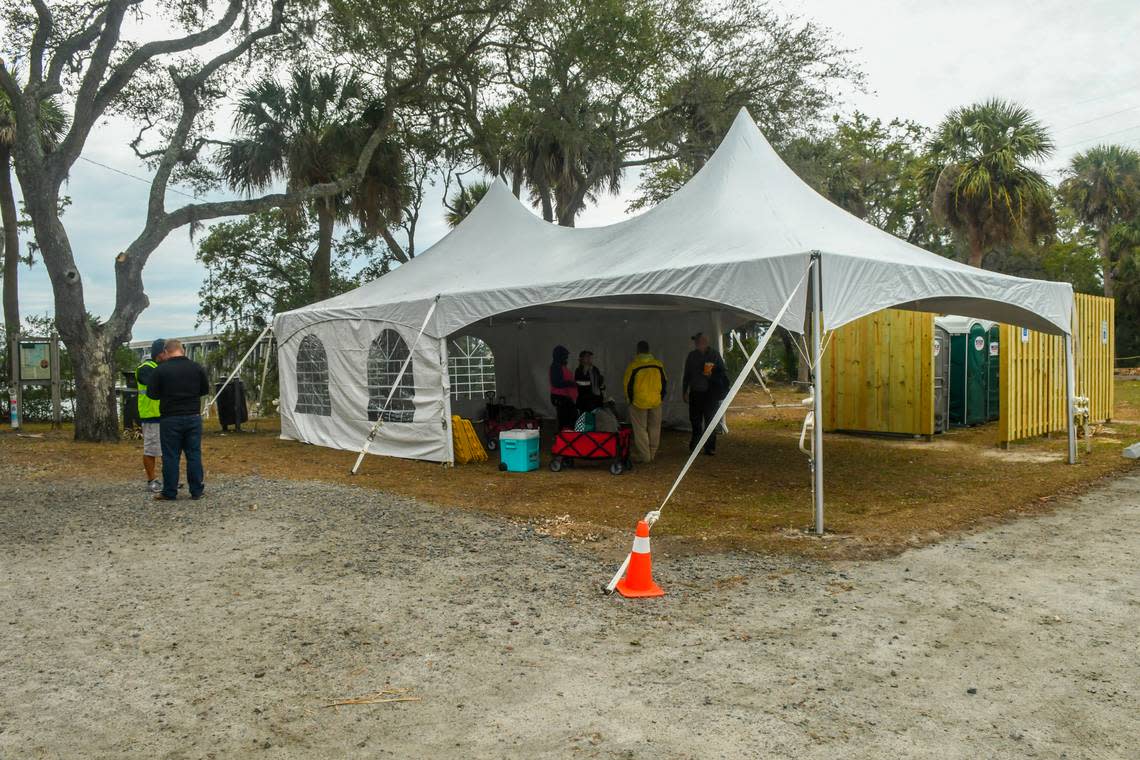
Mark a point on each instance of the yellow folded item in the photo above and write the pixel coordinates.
(468, 447)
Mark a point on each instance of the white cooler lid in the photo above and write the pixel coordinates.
(518, 434)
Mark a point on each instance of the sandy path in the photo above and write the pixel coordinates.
(219, 630)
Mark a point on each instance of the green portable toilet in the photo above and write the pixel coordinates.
(969, 351)
(993, 388)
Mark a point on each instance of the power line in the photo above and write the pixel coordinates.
(1101, 137)
(1098, 118)
(1105, 96)
(145, 181)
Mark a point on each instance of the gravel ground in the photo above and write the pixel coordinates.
(222, 628)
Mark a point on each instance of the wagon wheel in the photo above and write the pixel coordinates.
(616, 468)
(556, 464)
(502, 466)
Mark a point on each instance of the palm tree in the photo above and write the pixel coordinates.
(978, 179)
(561, 145)
(464, 201)
(53, 122)
(1102, 186)
(308, 132)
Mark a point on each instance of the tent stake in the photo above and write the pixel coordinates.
(817, 392)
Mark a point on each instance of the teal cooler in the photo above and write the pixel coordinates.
(518, 450)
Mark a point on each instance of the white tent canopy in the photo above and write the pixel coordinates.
(728, 247)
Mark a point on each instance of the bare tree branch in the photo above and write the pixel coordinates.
(123, 73)
(188, 88)
(83, 115)
(43, 31)
(70, 47)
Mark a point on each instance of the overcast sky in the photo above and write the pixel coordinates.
(1073, 63)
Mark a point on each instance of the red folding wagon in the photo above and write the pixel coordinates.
(571, 445)
(501, 416)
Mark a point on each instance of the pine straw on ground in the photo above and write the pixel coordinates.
(883, 494)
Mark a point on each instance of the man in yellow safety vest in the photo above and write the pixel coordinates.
(149, 414)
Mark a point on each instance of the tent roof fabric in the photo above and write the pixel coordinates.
(738, 236)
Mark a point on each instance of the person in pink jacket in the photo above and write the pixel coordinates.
(563, 389)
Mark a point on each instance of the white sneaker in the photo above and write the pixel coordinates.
(154, 486)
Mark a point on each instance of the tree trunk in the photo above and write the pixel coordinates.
(516, 181)
(322, 259)
(566, 206)
(93, 361)
(11, 246)
(976, 252)
(543, 191)
(566, 219)
(1105, 261)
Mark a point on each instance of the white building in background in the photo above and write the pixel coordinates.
(199, 348)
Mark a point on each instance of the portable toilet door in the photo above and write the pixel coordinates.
(956, 392)
(977, 366)
(993, 387)
(941, 379)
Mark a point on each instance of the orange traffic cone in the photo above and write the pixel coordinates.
(638, 580)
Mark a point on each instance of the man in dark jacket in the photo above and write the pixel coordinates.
(703, 386)
(591, 384)
(179, 385)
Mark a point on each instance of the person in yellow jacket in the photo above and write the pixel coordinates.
(149, 413)
(645, 384)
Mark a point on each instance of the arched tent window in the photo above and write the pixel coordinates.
(385, 358)
(313, 378)
(471, 368)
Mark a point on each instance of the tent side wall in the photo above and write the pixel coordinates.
(879, 375)
(1033, 372)
(336, 377)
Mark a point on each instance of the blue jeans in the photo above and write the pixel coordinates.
(180, 435)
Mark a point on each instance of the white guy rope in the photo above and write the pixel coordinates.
(655, 515)
(392, 392)
(236, 369)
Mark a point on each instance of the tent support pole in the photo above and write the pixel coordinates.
(719, 327)
(445, 377)
(817, 391)
(1070, 395)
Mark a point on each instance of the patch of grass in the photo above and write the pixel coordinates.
(1127, 401)
(883, 495)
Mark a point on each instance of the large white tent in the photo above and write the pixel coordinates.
(730, 246)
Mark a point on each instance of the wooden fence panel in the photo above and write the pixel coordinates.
(1032, 372)
(879, 375)
(1096, 354)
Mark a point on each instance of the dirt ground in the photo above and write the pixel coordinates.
(884, 495)
(223, 628)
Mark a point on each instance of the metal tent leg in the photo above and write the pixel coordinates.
(1070, 396)
(817, 392)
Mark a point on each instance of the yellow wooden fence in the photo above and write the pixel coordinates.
(879, 374)
(1096, 354)
(1032, 372)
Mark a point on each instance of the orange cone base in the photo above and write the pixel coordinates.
(623, 588)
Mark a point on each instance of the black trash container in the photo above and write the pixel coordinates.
(130, 396)
(231, 405)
